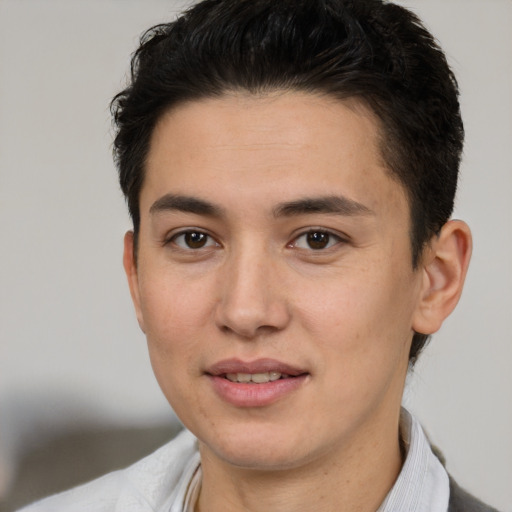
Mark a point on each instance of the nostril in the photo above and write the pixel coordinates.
(247, 333)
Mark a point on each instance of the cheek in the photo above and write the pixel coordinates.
(363, 339)
(175, 312)
(359, 312)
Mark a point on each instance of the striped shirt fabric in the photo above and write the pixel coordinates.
(423, 484)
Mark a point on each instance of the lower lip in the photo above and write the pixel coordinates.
(255, 395)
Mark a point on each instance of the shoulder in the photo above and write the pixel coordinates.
(142, 487)
(462, 501)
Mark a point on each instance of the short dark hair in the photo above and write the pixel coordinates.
(372, 50)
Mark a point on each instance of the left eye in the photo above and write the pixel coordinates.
(193, 240)
(316, 240)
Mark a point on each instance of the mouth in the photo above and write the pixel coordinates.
(257, 383)
(260, 371)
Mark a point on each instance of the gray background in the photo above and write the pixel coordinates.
(70, 350)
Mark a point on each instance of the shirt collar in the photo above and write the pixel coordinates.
(422, 485)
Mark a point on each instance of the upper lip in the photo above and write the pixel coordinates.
(257, 366)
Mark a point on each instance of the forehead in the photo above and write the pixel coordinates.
(276, 117)
(284, 144)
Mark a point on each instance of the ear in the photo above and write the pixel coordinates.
(444, 267)
(130, 268)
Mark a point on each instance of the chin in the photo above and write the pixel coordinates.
(259, 460)
(262, 450)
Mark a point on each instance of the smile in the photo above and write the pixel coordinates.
(259, 383)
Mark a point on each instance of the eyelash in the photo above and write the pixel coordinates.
(322, 236)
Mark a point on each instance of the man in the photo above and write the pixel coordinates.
(290, 169)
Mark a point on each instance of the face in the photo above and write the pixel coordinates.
(274, 279)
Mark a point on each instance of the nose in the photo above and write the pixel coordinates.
(253, 299)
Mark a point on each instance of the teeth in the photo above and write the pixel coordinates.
(260, 378)
(257, 378)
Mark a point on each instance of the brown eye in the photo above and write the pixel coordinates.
(193, 240)
(317, 240)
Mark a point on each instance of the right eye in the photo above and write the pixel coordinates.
(193, 240)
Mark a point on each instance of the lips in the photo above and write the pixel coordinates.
(256, 383)
(260, 366)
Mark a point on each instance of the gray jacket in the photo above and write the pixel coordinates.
(462, 501)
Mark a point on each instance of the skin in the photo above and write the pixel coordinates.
(344, 313)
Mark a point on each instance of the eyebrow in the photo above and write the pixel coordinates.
(189, 204)
(340, 205)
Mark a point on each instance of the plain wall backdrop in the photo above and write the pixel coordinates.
(71, 351)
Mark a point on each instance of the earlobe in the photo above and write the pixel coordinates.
(444, 268)
(130, 268)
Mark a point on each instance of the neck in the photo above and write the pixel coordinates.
(356, 479)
